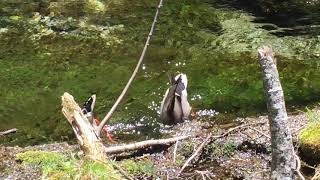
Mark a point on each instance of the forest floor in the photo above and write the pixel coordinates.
(242, 154)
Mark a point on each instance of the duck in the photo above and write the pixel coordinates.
(87, 110)
(175, 107)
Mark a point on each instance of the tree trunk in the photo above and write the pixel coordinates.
(89, 142)
(283, 162)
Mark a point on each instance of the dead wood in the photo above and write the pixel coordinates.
(209, 139)
(142, 144)
(283, 164)
(195, 153)
(88, 140)
(10, 131)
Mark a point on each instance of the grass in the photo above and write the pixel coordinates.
(67, 166)
(141, 168)
(59, 166)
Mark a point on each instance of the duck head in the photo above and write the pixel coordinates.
(88, 106)
(175, 107)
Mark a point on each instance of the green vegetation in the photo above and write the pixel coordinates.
(219, 149)
(310, 136)
(139, 168)
(59, 166)
(66, 166)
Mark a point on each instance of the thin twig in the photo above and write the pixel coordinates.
(316, 175)
(195, 153)
(298, 165)
(307, 165)
(175, 152)
(236, 128)
(3, 133)
(265, 135)
(207, 140)
(124, 91)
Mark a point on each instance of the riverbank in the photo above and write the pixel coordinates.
(244, 153)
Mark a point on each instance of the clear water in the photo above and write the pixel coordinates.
(48, 48)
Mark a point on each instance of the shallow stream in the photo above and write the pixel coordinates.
(50, 47)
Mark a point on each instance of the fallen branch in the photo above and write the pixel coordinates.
(3, 133)
(265, 135)
(240, 127)
(211, 138)
(195, 153)
(142, 144)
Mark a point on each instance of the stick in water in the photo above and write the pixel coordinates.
(123, 93)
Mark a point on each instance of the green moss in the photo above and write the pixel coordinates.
(139, 168)
(52, 164)
(95, 6)
(219, 149)
(99, 170)
(59, 166)
(310, 136)
(187, 149)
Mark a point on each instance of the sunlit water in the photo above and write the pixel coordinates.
(44, 54)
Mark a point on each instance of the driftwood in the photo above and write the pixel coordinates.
(142, 144)
(88, 140)
(3, 133)
(283, 162)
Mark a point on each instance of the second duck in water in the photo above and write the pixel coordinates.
(175, 107)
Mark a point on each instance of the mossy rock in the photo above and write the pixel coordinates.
(310, 143)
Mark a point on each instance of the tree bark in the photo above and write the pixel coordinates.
(283, 162)
(89, 142)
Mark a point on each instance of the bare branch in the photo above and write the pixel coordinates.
(211, 138)
(123, 93)
(3, 133)
(195, 153)
(142, 144)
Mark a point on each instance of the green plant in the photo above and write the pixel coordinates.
(59, 166)
(139, 168)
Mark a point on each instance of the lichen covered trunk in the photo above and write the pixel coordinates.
(84, 131)
(283, 160)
